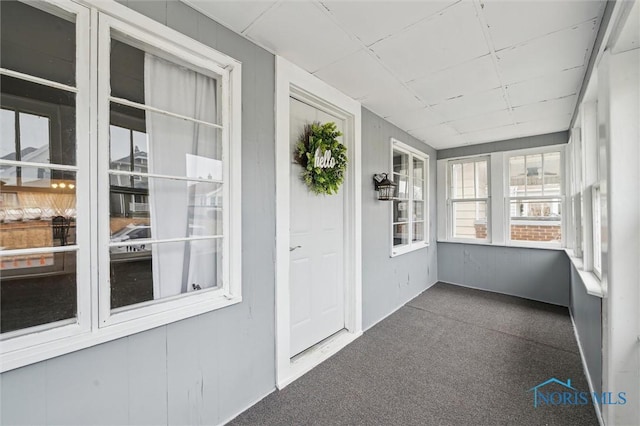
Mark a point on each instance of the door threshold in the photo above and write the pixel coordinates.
(310, 358)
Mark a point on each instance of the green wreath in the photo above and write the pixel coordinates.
(323, 158)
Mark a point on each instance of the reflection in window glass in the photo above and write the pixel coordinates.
(7, 134)
(37, 289)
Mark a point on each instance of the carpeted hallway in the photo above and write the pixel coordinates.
(451, 356)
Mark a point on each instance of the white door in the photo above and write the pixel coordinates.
(316, 247)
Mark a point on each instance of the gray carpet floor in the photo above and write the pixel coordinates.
(451, 356)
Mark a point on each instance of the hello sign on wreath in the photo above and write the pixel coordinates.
(322, 156)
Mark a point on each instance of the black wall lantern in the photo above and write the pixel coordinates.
(386, 188)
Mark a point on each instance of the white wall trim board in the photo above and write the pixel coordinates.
(291, 79)
(586, 370)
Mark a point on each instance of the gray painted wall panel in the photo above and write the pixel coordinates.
(506, 145)
(202, 370)
(388, 283)
(147, 382)
(525, 272)
(587, 315)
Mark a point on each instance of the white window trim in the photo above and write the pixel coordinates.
(396, 145)
(450, 201)
(44, 342)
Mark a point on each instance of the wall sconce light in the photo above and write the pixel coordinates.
(386, 188)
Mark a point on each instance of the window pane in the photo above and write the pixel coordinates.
(536, 220)
(552, 183)
(418, 169)
(418, 231)
(400, 211)
(418, 210)
(534, 174)
(162, 144)
(470, 219)
(7, 134)
(46, 123)
(143, 272)
(37, 289)
(167, 209)
(517, 176)
(482, 182)
(418, 188)
(37, 43)
(468, 180)
(400, 234)
(456, 181)
(403, 186)
(144, 78)
(400, 163)
(38, 207)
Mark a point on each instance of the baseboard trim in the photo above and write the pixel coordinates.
(504, 294)
(400, 306)
(251, 404)
(586, 370)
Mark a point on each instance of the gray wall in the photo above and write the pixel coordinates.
(202, 370)
(587, 315)
(506, 145)
(387, 282)
(535, 274)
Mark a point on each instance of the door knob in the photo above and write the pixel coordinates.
(294, 248)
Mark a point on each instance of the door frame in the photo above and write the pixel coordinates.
(294, 81)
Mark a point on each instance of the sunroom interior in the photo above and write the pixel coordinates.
(173, 252)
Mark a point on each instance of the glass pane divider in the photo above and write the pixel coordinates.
(37, 80)
(39, 250)
(39, 165)
(461, 200)
(141, 241)
(132, 104)
(161, 176)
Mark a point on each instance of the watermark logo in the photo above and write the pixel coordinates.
(568, 395)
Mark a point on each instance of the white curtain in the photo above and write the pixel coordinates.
(181, 267)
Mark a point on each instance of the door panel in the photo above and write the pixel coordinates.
(317, 240)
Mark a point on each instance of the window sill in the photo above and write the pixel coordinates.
(591, 282)
(513, 245)
(404, 250)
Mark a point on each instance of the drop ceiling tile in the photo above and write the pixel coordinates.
(484, 121)
(358, 75)
(303, 34)
(546, 125)
(552, 86)
(553, 53)
(415, 119)
(446, 39)
(470, 77)
(393, 101)
(237, 15)
(440, 136)
(376, 20)
(540, 110)
(510, 131)
(471, 105)
(511, 23)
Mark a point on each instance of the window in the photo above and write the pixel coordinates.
(468, 199)
(165, 178)
(597, 240)
(410, 221)
(535, 199)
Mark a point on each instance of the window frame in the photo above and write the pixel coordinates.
(451, 201)
(508, 198)
(92, 326)
(412, 153)
(596, 224)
